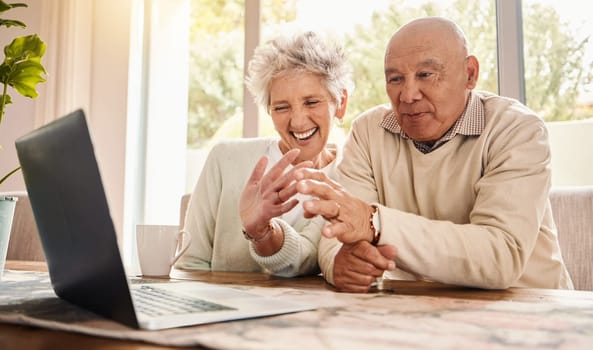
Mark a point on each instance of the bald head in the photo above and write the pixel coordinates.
(431, 32)
(429, 75)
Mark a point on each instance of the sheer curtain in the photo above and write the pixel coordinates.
(66, 28)
(125, 63)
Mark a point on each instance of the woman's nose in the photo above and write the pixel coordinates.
(298, 114)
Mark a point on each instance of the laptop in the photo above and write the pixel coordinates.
(80, 245)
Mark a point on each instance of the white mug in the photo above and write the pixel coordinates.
(159, 247)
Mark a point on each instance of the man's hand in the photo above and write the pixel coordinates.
(348, 216)
(357, 265)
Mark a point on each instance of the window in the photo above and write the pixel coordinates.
(558, 50)
(556, 78)
(558, 47)
(217, 39)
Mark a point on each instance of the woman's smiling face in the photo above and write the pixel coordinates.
(302, 109)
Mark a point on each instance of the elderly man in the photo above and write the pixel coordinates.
(445, 184)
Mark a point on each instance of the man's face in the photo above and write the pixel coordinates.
(428, 79)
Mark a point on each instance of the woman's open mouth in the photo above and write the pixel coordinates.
(302, 136)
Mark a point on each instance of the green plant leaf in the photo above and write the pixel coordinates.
(29, 47)
(8, 175)
(12, 23)
(7, 99)
(22, 67)
(5, 7)
(27, 77)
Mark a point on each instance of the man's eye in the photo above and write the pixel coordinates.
(311, 102)
(394, 79)
(424, 74)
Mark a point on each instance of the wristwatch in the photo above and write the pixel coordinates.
(375, 223)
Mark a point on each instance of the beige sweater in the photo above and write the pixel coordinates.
(473, 212)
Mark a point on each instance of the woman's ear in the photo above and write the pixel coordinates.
(341, 110)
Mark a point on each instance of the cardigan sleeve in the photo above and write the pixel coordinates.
(298, 254)
(200, 220)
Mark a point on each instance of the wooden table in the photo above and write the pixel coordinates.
(387, 322)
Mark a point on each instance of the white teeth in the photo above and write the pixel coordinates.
(304, 135)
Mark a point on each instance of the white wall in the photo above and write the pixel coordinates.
(572, 152)
(108, 60)
(109, 97)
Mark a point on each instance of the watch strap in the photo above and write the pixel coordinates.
(376, 230)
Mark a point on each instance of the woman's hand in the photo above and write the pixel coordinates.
(268, 195)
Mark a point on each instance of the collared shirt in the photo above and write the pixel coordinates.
(470, 123)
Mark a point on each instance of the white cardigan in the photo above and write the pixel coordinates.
(213, 218)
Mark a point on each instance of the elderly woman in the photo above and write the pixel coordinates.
(244, 214)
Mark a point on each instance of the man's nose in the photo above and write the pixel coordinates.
(410, 92)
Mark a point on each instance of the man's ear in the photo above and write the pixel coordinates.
(473, 71)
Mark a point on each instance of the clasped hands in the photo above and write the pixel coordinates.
(357, 263)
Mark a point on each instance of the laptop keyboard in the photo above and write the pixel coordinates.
(158, 302)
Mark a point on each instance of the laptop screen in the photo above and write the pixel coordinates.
(73, 218)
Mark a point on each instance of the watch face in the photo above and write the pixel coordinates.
(376, 221)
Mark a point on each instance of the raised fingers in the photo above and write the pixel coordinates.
(327, 208)
(319, 177)
(258, 170)
(278, 169)
(285, 186)
(316, 188)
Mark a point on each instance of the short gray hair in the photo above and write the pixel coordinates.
(302, 52)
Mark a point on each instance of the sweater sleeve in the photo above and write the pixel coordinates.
(298, 254)
(328, 249)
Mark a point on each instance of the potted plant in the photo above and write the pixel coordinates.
(22, 71)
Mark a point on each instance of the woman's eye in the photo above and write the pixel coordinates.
(311, 102)
(279, 108)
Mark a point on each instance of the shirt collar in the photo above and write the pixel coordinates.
(470, 123)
